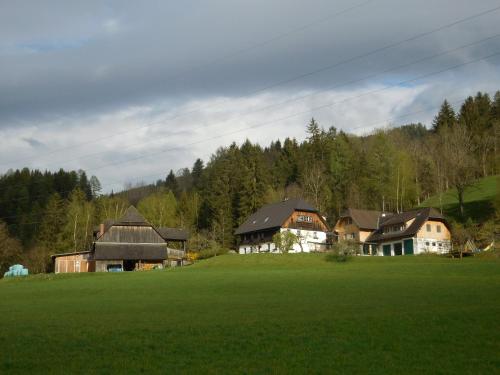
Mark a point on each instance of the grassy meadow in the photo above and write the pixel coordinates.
(478, 200)
(262, 313)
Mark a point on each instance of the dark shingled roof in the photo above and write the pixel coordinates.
(364, 219)
(137, 251)
(173, 234)
(132, 217)
(420, 216)
(273, 215)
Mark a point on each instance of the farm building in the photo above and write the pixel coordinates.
(128, 244)
(294, 215)
(412, 232)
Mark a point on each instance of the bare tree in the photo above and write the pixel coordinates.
(314, 182)
(460, 166)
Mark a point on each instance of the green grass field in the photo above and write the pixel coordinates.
(478, 200)
(232, 314)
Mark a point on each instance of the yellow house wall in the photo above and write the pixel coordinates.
(444, 235)
(342, 229)
(363, 235)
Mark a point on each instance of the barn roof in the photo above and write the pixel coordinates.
(421, 216)
(142, 251)
(173, 234)
(273, 215)
(132, 217)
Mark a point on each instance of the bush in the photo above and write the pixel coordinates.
(211, 252)
(342, 251)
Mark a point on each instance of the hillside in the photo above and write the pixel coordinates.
(258, 314)
(479, 200)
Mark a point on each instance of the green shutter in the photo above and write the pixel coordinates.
(386, 250)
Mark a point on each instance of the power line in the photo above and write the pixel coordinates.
(298, 77)
(233, 54)
(302, 112)
(350, 130)
(296, 114)
(294, 99)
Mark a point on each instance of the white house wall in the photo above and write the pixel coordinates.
(310, 240)
(420, 246)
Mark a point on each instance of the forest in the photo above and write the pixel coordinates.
(393, 169)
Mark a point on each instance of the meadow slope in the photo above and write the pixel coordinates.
(478, 200)
(258, 314)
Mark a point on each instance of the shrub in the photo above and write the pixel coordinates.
(212, 251)
(284, 241)
(342, 251)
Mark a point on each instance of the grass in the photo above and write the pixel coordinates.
(232, 314)
(478, 200)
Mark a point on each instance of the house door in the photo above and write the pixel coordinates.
(386, 249)
(398, 248)
(408, 245)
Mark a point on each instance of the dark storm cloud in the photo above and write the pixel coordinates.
(91, 57)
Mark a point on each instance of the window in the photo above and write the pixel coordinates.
(266, 219)
(427, 244)
(298, 232)
(428, 226)
(440, 244)
(433, 244)
(315, 235)
(348, 221)
(304, 218)
(438, 228)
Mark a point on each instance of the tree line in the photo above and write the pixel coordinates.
(391, 169)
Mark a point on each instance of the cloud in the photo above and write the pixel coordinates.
(76, 72)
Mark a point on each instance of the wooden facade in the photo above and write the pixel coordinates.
(74, 262)
(128, 244)
(306, 221)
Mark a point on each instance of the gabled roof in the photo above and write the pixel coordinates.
(364, 219)
(132, 217)
(173, 234)
(274, 215)
(421, 216)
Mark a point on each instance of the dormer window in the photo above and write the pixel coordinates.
(266, 219)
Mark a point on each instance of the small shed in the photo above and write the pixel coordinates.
(80, 261)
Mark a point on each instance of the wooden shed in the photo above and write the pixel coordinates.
(81, 261)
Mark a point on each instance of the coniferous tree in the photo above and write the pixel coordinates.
(196, 173)
(171, 183)
(445, 119)
(10, 249)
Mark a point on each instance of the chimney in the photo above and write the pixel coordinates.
(101, 229)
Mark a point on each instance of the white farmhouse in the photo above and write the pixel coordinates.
(294, 215)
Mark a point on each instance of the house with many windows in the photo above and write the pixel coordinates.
(418, 231)
(294, 215)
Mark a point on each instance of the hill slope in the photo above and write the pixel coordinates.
(258, 314)
(478, 199)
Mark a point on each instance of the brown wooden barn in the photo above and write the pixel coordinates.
(128, 244)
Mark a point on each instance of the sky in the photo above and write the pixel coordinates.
(128, 90)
